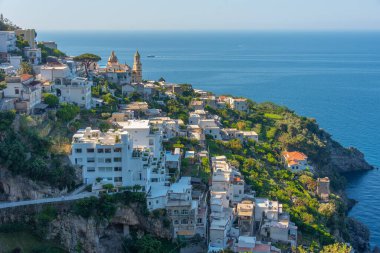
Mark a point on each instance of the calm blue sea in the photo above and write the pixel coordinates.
(333, 77)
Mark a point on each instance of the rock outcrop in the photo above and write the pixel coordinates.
(347, 159)
(359, 235)
(15, 188)
(89, 235)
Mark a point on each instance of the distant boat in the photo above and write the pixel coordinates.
(151, 56)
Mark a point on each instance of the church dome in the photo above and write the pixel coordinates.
(113, 58)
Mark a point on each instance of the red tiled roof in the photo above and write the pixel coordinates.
(293, 158)
(25, 77)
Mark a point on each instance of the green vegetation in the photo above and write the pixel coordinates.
(43, 165)
(105, 206)
(280, 129)
(86, 60)
(27, 242)
(67, 112)
(51, 100)
(6, 24)
(26, 68)
(46, 51)
(148, 244)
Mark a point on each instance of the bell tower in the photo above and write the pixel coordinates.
(137, 69)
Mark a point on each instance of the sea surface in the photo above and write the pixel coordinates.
(333, 77)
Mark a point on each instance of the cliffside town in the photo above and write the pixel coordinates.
(143, 161)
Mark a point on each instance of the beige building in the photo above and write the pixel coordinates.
(181, 208)
(245, 212)
(29, 35)
(137, 69)
(323, 188)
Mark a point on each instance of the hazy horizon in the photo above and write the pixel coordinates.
(195, 15)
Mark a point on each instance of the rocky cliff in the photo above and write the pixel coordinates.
(347, 159)
(89, 235)
(15, 188)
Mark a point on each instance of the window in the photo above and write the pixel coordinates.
(156, 201)
(105, 169)
(100, 160)
(118, 179)
(117, 159)
(117, 150)
(169, 212)
(175, 211)
(17, 91)
(108, 160)
(176, 222)
(107, 150)
(184, 212)
(78, 150)
(199, 220)
(184, 221)
(100, 150)
(90, 169)
(117, 169)
(91, 159)
(151, 142)
(150, 203)
(90, 150)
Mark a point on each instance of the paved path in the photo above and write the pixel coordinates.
(78, 190)
(47, 200)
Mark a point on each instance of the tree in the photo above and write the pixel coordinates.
(51, 100)
(86, 60)
(67, 112)
(336, 248)
(2, 75)
(26, 68)
(148, 244)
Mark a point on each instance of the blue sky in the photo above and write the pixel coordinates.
(194, 14)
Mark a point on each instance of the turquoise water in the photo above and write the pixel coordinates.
(333, 77)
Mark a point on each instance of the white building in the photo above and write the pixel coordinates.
(296, 161)
(76, 91)
(27, 91)
(7, 41)
(281, 230)
(33, 55)
(170, 127)
(210, 127)
(50, 72)
(267, 209)
(144, 135)
(240, 104)
(116, 157)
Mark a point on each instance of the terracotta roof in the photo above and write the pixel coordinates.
(293, 158)
(25, 77)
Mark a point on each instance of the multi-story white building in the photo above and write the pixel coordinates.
(74, 90)
(7, 41)
(144, 135)
(120, 157)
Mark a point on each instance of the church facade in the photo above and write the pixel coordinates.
(122, 74)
